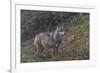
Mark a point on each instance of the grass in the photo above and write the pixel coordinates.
(75, 46)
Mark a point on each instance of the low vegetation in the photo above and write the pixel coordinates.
(76, 40)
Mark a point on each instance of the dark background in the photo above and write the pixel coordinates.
(76, 46)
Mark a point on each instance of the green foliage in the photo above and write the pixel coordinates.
(76, 40)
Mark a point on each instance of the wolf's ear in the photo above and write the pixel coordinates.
(62, 26)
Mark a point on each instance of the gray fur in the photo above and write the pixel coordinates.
(46, 41)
